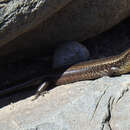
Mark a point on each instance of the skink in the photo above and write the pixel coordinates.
(110, 66)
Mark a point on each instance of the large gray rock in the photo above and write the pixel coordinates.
(62, 20)
(82, 19)
(102, 104)
(17, 17)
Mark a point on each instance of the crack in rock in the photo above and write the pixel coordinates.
(107, 116)
(121, 93)
(98, 104)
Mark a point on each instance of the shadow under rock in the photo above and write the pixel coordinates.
(16, 96)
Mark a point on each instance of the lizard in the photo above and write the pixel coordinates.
(86, 70)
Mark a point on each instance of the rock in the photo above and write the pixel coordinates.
(17, 17)
(92, 105)
(120, 118)
(82, 19)
(66, 20)
(69, 53)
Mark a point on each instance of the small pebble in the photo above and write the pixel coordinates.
(70, 53)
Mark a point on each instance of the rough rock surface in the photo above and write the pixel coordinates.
(74, 20)
(102, 104)
(17, 17)
(82, 19)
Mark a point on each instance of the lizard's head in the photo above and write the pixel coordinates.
(125, 68)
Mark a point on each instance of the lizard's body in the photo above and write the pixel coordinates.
(110, 66)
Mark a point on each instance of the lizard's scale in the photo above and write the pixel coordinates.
(115, 65)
